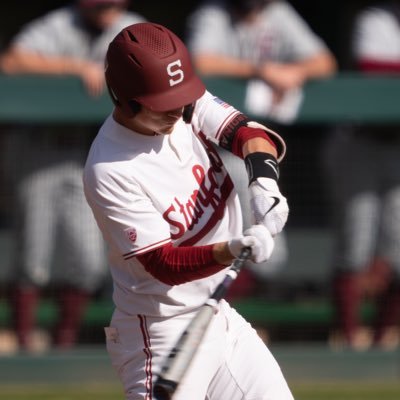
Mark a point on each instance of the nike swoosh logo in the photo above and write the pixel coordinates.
(274, 204)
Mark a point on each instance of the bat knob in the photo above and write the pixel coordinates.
(164, 389)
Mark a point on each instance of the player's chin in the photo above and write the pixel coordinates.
(166, 130)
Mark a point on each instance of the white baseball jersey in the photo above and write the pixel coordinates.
(147, 191)
(280, 34)
(377, 35)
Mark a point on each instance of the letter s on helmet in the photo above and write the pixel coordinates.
(148, 64)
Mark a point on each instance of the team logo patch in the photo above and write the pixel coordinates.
(131, 234)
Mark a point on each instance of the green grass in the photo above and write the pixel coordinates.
(301, 391)
(347, 391)
(58, 392)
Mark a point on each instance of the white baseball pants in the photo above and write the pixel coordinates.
(232, 363)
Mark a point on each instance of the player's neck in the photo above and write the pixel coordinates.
(132, 124)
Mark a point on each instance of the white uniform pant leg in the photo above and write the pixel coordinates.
(231, 363)
(390, 225)
(138, 346)
(249, 371)
(389, 246)
(36, 228)
(353, 171)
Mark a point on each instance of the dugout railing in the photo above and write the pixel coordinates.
(347, 96)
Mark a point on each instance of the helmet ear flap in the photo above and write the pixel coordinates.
(113, 96)
(134, 106)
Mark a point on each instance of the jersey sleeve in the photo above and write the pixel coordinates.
(218, 120)
(125, 215)
(212, 115)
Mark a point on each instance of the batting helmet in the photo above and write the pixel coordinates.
(148, 64)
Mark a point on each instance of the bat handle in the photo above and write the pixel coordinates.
(164, 389)
(243, 256)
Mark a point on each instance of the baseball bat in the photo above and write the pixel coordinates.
(184, 350)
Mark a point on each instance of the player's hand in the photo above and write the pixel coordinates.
(268, 206)
(258, 239)
(282, 76)
(92, 76)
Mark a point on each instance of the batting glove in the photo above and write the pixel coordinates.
(268, 206)
(258, 239)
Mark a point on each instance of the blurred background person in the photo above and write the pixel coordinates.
(363, 167)
(264, 41)
(267, 43)
(54, 225)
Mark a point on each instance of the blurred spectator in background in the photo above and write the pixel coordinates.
(363, 165)
(54, 223)
(267, 43)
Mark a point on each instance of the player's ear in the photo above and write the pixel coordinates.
(135, 106)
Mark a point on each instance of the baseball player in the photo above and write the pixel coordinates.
(172, 220)
(55, 225)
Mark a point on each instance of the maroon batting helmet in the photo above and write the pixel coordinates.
(148, 64)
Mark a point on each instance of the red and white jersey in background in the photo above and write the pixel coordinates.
(146, 191)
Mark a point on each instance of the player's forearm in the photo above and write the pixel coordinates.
(287, 76)
(259, 144)
(176, 265)
(222, 254)
(19, 62)
(320, 66)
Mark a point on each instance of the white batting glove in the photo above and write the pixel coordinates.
(268, 206)
(258, 239)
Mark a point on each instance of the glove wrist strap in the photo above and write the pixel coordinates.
(261, 165)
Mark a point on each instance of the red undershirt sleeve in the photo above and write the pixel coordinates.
(177, 265)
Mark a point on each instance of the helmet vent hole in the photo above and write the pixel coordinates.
(134, 59)
(132, 37)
